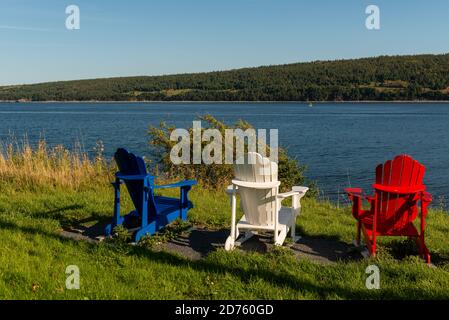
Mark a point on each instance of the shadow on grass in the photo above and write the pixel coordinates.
(302, 232)
(7, 225)
(325, 247)
(67, 220)
(197, 243)
(335, 249)
(401, 249)
(58, 214)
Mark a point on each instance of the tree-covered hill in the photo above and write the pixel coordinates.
(385, 78)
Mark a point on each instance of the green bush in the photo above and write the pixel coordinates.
(217, 176)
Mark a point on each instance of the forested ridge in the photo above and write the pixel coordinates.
(384, 78)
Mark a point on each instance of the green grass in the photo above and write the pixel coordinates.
(33, 256)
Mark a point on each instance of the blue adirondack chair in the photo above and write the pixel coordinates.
(151, 212)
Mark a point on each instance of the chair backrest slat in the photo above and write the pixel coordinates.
(257, 205)
(407, 171)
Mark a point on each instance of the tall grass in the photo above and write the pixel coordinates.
(23, 166)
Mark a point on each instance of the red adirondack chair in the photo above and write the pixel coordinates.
(394, 206)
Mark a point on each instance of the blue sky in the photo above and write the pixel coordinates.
(150, 37)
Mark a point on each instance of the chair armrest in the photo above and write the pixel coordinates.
(230, 190)
(297, 193)
(181, 184)
(301, 189)
(134, 177)
(356, 196)
(287, 194)
(256, 185)
(427, 197)
(358, 193)
(355, 192)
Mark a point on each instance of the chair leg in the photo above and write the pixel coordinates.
(423, 251)
(296, 210)
(276, 217)
(230, 241)
(370, 244)
(373, 246)
(149, 229)
(281, 235)
(359, 233)
(248, 235)
(293, 229)
(117, 219)
(373, 252)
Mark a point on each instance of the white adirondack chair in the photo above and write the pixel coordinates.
(256, 182)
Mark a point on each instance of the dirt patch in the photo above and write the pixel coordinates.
(325, 251)
(197, 243)
(200, 242)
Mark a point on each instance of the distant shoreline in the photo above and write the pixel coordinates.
(231, 102)
(383, 79)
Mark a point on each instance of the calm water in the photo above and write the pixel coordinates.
(340, 143)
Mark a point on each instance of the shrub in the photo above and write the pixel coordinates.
(217, 176)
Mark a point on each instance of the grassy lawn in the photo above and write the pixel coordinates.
(44, 191)
(34, 256)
